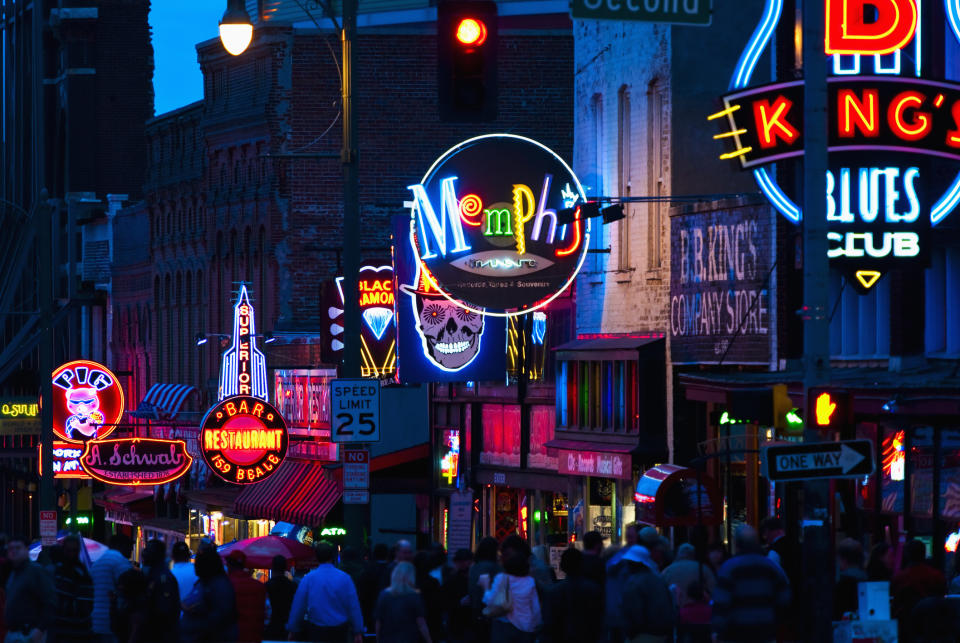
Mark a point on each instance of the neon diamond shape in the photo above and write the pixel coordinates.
(378, 320)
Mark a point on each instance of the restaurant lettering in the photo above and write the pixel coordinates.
(243, 439)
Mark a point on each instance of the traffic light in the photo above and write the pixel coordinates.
(782, 406)
(828, 409)
(467, 60)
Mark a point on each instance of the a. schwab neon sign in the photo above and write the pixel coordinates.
(485, 225)
(891, 133)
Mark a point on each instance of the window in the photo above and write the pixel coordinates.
(623, 174)
(597, 231)
(598, 396)
(655, 178)
(859, 324)
(942, 314)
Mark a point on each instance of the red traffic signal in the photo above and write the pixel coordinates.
(828, 409)
(471, 32)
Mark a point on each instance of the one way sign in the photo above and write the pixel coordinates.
(850, 459)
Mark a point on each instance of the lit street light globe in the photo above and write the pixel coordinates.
(236, 30)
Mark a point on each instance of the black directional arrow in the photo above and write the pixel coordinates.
(849, 459)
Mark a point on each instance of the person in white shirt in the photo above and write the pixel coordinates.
(182, 568)
(521, 622)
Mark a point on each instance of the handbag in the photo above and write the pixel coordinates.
(501, 603)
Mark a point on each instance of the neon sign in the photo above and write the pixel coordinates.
(87, 401)
(450, 460)
(243, 368)
(66, 460)
(243, 439)
(439, 340)
(893, 136)
(485, 228)
(895, 456)
(136, 461)
(378, 335)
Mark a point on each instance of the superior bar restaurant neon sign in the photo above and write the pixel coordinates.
(243, 369)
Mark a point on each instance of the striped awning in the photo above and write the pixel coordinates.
(163, 401)
(299, 492)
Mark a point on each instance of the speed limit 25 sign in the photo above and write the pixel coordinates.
(356, 410)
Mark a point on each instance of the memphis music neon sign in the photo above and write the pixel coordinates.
(890, 132)
(486, 229)
(243, 368)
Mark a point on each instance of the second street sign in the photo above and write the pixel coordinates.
(850, 459)
(689, 12)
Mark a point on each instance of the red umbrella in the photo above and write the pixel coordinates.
(260, 551)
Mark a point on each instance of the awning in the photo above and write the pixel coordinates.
(213, 499)
(606, 459)
(299, 492)
(127, 506)
(163, 401)
(672, 496)
(621, 347)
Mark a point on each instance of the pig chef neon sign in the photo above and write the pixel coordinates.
(485, 225)
(891, 133)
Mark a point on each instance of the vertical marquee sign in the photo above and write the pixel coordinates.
(893, 141)
(243, 368)
(378, 332)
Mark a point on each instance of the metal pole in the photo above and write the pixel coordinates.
(816, 337)
(356, 517)
(42, 217)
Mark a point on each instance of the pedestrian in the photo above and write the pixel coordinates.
(512, 601)
(209, 611)
(351, 562)
(573, 608)
(686, 571)
(73, 622)
(456, 596)
(106, 572)
(250, 597)
(182, 568)
(752, 593)
(656, 545)
(429, 587)
(646, 607)
(693, 618)
(127, 607)
(593, 565)
(484, 565)
(882, 561)
(717, 555)
(784, 550)
(280, 591)
(403, 553)
(157, 618)
(31, 596)
(916, 581)
(850, 573)
(400, 615)
(954, 587)
(541, 572)
(325, 607)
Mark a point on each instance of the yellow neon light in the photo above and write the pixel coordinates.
(522, 195)
(740, 152)
(868, 277)
(736, 132)
(722, 113)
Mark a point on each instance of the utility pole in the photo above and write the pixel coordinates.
(816, 330)
(356, 517)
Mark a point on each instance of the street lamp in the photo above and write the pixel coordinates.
(236, 30)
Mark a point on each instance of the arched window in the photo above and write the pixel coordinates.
(262, 268)
(656, 181)
(248, 250)
(166, 330)
(157, 322)
(624, 145)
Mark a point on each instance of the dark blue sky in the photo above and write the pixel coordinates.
(178, 25)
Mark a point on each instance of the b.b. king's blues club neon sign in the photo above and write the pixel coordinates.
(893, 138)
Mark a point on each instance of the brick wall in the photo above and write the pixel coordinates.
(228, 203)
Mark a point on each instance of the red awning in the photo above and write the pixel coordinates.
(299, 492)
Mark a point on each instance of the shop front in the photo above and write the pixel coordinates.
(610, 427)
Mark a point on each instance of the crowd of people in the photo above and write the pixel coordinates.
(643, 592)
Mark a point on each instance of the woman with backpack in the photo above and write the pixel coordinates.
(512, 601)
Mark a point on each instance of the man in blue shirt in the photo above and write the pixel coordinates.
(325, 607)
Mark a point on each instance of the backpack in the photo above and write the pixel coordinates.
(501, 603)
(163, 596)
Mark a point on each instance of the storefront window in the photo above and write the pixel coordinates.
(501, 435)
(598, 395)
(303, 397)
(541, 431)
